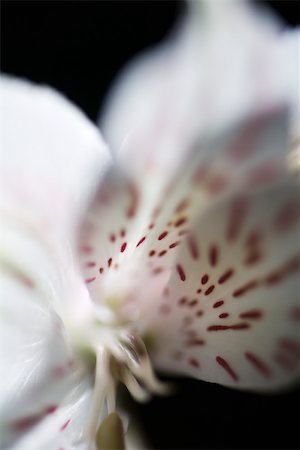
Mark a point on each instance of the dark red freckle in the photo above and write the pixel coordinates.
(180, 222)
(253, 239)
(134, 194)
(50, 409)
(112, 237)
(285, 362)
(174, 244)
(194, 363)
(157, 270)
(151, 226)
(287, 216)
(90, 280)
(101, 270)
(223, 363)
(199, 313)
(162, 235)
(290, 345)
(193, 247)
(237, 216)
(226, 275)
(123, 247)
(274, 278)
(218, 304)
(122, 232)
(182, 205)
(247, 287)
(195, 343)
(109, 262)
(199, 291)
(182, 301)
(190, 334)
(21, 425)
(217, 183)
(213, 255)
(165, 309)
(169, 224)
(141, 241)
(204, 279)
(258, 364)
(86, 249)
(209, 290)
(238, 326)
(193, 303)
(254, 314)
(162, 253)
(253, 258)
(90, 264)
(25, 280)
(152, 253)
(116, 266)
(223, 315)
(295, 313)
(180, 272)
(187, 320)
(64, 426)
(183, 232)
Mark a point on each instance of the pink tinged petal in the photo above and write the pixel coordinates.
(243, 315)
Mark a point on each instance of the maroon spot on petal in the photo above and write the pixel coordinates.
(213, 255)
(252, 314)
(194, 362)
(152, 253)
(50, 409)
(86, 249)
(204, 279)
(226, 275)
(217, 183)
(237, 217)
(162, 235)
(180, 272)
(182, 205)
(162, 253)
(123, 247)
(193, 303)
(194, 343)
(193, 246)
(290, 345)
(187, 320)
(157, 270)
(218, 304)
(182, 301)
(90, 280)
(64, 426)
(258, 364)
(226, 366)
(237, 326)
(183, 232)
(287, 217)
(141, 241)
(174, 244)
(180, 222)
(123, 232)
(285, 362)
(243, 289)
(101, 270)
(209, 290)
(90, 264)
(253, 239)
(199, 313)
(23, 424)
(199, 291)
(253, 258)
(109, 262)
(134, 200)
(151, 226)
(223, 315)
(112, 237)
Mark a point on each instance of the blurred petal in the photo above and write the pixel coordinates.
(231, 311)
(63, 428)
(51, 158)
(218, 67)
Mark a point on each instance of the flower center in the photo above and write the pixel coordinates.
(119, 355)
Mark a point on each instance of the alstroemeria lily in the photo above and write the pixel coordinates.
(186, 241)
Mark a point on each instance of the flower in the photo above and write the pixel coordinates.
(185, 240)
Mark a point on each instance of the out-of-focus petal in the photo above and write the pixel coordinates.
(64, 427)
(51, 158)
(218, 67)
(50, 161)
(230, 313)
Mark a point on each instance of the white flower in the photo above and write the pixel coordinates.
(185, 239)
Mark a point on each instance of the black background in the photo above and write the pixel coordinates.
(78, 47)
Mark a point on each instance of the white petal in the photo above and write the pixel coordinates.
(210, 74)
(51, 158)
(231, 312)
(64, 427)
